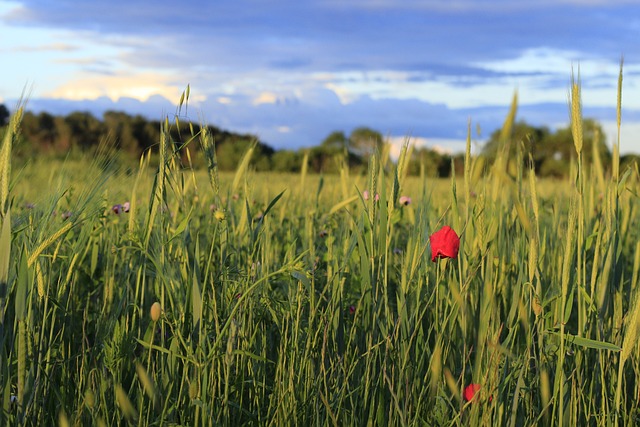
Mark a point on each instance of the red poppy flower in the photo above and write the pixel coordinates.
(444, 243)
(470, 391)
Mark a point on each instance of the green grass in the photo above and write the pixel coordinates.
(293, 300)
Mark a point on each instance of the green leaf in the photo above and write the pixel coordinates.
(5, 250)
(589, 343)
(589, 241)
(196, 302)
(272, 203)
(298, 275)
(342, 204)
(181, 227)
(22, 285)
(95, 252)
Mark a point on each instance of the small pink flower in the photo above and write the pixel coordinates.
(405, 200)
(116, 208)
(352, 309)
(365, 194)
(126, 206)
(66, 215)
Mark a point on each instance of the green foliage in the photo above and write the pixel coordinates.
(79, 132)
(551, 152)
(132, 136)
(4, 115)
(364, 141)
(336, 139)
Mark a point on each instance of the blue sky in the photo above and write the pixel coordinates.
(292, 71)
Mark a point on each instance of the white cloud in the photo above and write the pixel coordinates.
(345, 95)
(139, 86)
(50, 47)
(265, 98)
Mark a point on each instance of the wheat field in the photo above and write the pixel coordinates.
(171, 296)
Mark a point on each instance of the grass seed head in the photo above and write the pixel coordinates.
(193, 390)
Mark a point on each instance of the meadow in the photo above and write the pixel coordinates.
(169, 296)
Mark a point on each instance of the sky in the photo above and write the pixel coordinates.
(292, 71)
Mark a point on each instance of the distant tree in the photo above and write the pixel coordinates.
(336, 139)
(435, 164)
(45, 132)
(286, 161)
(553, 154)
(145, 132)
(4, 115)
(30, 126)
(522, 133)
(629, 161)
(86, 130)
(119, 129)
(551, 151)
(364, 141)
(261, 158)
(64, 138)
(230, 152)
(48, 131)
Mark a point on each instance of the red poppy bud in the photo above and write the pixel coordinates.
(470, 391)
(444, 243)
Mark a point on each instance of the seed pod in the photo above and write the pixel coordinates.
(155, 311)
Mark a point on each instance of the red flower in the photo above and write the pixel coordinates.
(444, 243)
(470, 391)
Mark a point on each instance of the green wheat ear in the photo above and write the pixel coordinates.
(632, 331)
(616, 146)
(5, 211)
(576, 113)
(5, 156)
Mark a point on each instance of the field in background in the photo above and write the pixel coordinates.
(263, 299)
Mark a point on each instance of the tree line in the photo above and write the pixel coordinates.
(549, 152)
